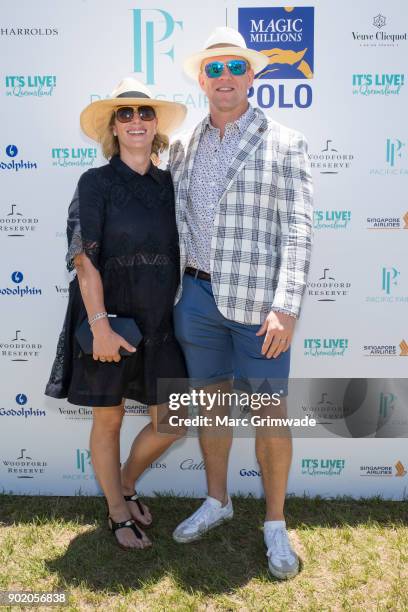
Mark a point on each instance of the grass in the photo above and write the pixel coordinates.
(354, 557)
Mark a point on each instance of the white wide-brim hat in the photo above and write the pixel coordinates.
(96, 116)
(224, 41)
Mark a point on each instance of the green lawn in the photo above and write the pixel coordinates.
(355, 556)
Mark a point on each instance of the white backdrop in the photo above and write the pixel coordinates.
(56, 58)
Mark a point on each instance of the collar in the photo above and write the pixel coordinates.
(241, 123)
(127, 174)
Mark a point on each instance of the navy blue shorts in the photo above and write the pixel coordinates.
(217, 349)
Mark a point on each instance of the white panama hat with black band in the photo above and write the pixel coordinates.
(224, 41)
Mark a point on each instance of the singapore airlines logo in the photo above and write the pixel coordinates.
(285, 35)
(404, 348)
(400, 469)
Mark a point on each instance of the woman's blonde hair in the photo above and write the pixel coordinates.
(110, 143)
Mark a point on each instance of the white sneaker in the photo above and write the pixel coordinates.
(283, 562)
(210, 514)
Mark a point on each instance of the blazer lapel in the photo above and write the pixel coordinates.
(188, 164)
(250, 141)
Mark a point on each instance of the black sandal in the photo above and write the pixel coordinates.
(135, 498)
(129, 524)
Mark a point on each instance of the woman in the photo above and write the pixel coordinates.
(123, 244)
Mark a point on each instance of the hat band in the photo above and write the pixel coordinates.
(133, 94)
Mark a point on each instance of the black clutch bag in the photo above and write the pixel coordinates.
(124, 326)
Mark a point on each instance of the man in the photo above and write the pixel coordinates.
(244, 212)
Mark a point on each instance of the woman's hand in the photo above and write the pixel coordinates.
(106, 342)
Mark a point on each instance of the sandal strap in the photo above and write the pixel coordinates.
(129, 524)
(135, 498)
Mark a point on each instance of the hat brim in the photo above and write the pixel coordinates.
(192, 64)
(96, 116)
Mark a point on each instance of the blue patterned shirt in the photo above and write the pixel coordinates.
(213, 158)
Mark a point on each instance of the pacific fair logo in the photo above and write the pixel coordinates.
(153, 32)
(394, 153)
(30, 85)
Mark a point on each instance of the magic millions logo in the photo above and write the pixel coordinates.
(323, 467)
(386, 350)
(285, 35)
(24, 466)
(19, 348)
(381, 32)
(330, 159)
(377, 470)
(327, 288)
(69, 157)
(385, 222)
(16, 224)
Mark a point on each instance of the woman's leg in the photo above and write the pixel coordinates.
(105, 455)
(148, 446)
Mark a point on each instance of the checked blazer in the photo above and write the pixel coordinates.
(261, 241)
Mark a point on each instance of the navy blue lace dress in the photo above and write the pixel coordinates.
(125, 223)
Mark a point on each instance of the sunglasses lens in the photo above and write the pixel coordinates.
(124, 114)
(237, 67)
(214, 69)
(146, 113)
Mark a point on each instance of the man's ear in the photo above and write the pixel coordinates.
(251, 77)
(201, 80)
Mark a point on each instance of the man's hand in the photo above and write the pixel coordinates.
(278, 328)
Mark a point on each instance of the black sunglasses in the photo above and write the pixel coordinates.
(124, 114)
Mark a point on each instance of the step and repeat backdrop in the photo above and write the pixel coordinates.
(338, 74)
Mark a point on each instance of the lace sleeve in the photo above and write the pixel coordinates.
(85, 223)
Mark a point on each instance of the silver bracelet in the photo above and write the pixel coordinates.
(96, 317)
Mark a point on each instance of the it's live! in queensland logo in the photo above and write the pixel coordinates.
(285, 35)
(74, 156)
